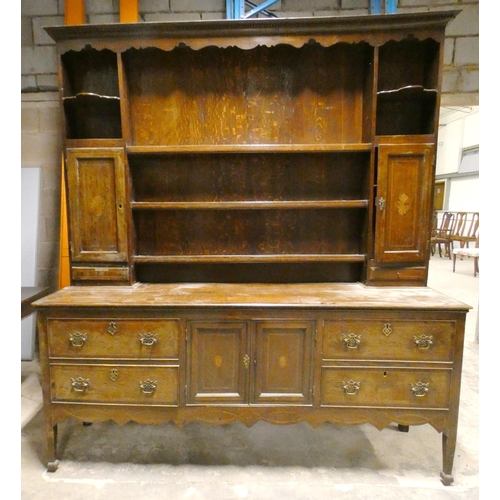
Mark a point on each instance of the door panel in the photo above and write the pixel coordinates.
(218, 363)
(97, 197)
(404, 187)
(283, 362)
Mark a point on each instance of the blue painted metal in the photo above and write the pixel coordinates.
(235, 9)
(259, 8)
(389, 6)
(375, 6)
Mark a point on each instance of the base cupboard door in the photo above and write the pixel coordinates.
(218, 362)
(283, 366)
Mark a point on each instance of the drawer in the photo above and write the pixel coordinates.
(124, 339)
(409, 340)
(385, 387)
(120, 384)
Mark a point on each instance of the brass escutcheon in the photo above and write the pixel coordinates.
(113, 374)
(387, 329)
(420, 389)
(79, 384)
(423, 341)
(351, 341)
(77, 339)
(246, 361)
(112, 328)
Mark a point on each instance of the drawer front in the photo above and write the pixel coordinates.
(120, 384)
(124, 339)
(381, 387)
(389, 340)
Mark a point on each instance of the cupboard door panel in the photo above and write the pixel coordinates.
(97, 198)
(403, 203)
(283, 362)
(218, 362)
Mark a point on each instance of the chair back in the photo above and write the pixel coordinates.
(446, 224)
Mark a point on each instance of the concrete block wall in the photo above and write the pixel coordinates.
(39, 104)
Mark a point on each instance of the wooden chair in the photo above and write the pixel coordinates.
(468, 252)
(459, 227)
(442, 235)
(471, 235)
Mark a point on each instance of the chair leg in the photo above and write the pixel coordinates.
(476, 266)
(454, 261)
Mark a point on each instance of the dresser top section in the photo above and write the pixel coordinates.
(249, 33)
(221, 295)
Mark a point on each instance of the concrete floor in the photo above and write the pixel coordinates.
(106, 461)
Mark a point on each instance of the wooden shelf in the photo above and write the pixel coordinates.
(251, 148)
(247, 205)
(209, 259)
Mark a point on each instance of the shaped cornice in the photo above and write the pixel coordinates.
(248, 34)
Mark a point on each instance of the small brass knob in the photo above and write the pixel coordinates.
(351, 341)
(78, 339)
(79, 384)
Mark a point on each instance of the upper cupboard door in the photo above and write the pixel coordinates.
(404, 188)
(96, 200)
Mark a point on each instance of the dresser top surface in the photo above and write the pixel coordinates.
(317, 295)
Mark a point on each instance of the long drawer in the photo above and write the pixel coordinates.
(385, 387)
(123, 339)
(389, 340)
(118, 384)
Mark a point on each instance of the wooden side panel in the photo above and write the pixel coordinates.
(403, 203)
(283, 362)
(218, 370)
(96, 187)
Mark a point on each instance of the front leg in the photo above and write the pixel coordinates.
(51, 439)
(449, 444)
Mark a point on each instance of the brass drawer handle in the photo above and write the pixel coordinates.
(351, 341)
(148, 386)
(80, 384)
(420, 389)
(350, 387)
(423, 341)
(78, 339)
(149, 339)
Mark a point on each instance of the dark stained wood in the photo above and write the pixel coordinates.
(30, 294)
(224, 180)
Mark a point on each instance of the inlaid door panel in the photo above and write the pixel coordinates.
(404, 188)
(283, 362)
(218, 362)
(96, 200)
